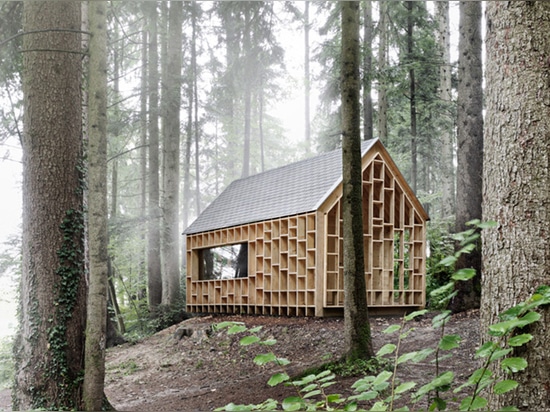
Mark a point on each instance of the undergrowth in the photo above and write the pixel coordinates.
(381, 388)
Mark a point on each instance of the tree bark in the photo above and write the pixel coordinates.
(470, 146)
(96, 322)
(142, 277)
(382, 62)
(368, 132)
(358, 343)
(307, 75)
(154, 273)
(412, 94)
(516, 254)
(446, 159)
(171, 150)
(50, 343)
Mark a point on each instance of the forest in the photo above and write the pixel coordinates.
(132, 117)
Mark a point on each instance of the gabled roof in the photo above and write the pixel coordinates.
(293, 189)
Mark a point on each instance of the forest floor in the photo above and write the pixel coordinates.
(171, 372)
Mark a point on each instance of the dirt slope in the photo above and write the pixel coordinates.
(200, 372)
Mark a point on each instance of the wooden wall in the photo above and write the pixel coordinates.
(295, 264)
(394, 242)
(281, 269)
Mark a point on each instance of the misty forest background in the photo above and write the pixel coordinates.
(251, 71)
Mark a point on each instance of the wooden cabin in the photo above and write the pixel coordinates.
(271, 243)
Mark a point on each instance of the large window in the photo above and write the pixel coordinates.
(224, 262)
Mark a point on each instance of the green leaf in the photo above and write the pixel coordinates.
(502, 328)
(224, 325)
(406, 357)
(268, 342)
(255, 329)
(519, 340)
(364, 396)
(415, 314)
(449, 342)
(440, 381)
(505, 386)
(513, 364)
(249, 340)
(312, 393)
(236, 329)
(448, 261)
(292, 403)
(391, 329)
(387, 348)
(350, 407)
(438, 404)
(277, 379)
(487, 225)
(264, 358)
(282, 361)
(472, 404)
(404, 387)
(463, 274)
(486, 349)
(443, 290)
(479, 375)
(308, 388)
(441, 319)
(498, 354)
(334, 398)
(232, 407)
(382, 377)
(379, 406)
(423, 354)
(468, 248)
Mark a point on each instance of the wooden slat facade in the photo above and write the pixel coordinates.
(295, 263)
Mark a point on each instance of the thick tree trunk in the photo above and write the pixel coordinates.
(367, 70)
(170, 227)
(358, 342)
(307, 75)
(50, 345)
(96, 322)
(446, 159)
(470, 146)
(382, 63)
(516, 255)
(247, 93)
(412, 94)
(142, 277)
(154, 274)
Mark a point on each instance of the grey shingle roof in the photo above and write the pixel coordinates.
(285, 191)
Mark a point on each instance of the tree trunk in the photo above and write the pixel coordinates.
(358, 342)
(195, 9)
(382, 62)
(96, 321)
(247, 93)
(307, 75)
(516, 254)
(142, 277)
(470, 146)
(50, 343)
(154, 274)
(367, 70)
(412, 94)
(446, 162)
(171, 230)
